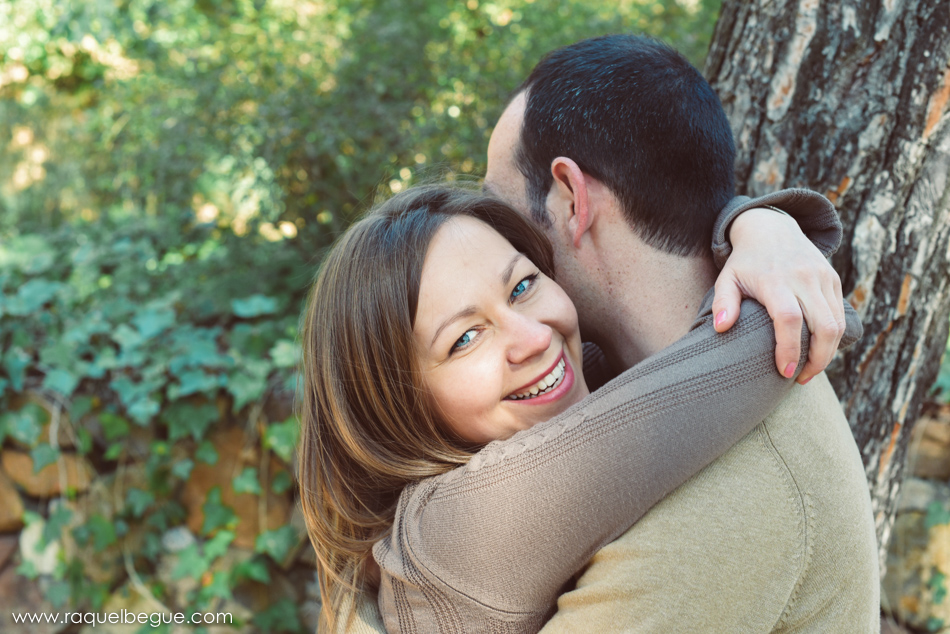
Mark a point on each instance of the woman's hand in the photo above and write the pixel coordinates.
(774, 263)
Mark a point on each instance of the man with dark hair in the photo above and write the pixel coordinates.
(673, 131)
(620, 150)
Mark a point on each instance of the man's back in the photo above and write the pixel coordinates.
(777, 535)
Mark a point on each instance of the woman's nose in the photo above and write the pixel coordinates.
(527, 338)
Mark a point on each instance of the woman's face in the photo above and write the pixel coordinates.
(498, 341)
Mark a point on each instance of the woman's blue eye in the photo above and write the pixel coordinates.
(523, 286)
(464, 340)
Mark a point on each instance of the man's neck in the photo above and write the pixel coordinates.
(653, 306)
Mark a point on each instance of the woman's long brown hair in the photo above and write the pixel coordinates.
(367, 427)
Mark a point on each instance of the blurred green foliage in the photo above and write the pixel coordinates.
(170, 174)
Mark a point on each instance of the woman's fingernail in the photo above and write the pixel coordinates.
(806, 382)
(790, 370)
(721, 317)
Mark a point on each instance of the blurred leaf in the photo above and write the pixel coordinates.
(59, 517)
(254, 306)
(216, 514)
(114, 451)
(30, 253)
(277, 543)
(206, 453)
(282, 438)
(184, 419)
(138, 501)
(15, 362)
(285, 354)
(936, 514)
(151, 322)
(43, 455)
(23, 425)
(255, 569)
(218, 545)
(31, 297)
(113, 425)
(246, 482)
(57, 593)
(61, 381)
(191, 565)
(102, 531)
(282, 483)
(194, 382)
(182, 468)
(279, 617)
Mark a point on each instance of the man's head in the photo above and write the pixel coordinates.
(633, 114)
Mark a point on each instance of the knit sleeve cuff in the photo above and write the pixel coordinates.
(814, 213)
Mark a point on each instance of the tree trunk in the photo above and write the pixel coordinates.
(849, 97)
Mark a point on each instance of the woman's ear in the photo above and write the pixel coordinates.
(568, 198)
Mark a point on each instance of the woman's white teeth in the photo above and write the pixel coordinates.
(544, 385)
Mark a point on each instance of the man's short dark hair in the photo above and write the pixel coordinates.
(635, 115)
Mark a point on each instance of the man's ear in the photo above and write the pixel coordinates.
(568, 198)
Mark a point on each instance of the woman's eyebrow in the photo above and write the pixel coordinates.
(468, 311)
(506, 274)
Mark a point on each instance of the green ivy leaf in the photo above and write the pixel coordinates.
(248, 382)
(43, 455)
(138, 501)
(276, 543)
(102, 531)
(255, 568)
(193, 382)
(31, 297)
(182, 468)
(219, 587)
(191, 565)
(143, 410)
(23, 425)
(285, 354)
(127, 337)
(152, 322)
(254, 306)
(79, 407)
(30, 253)
(281, 482)
(206, 453)
(279, 617)
(113, 425)
(114, 451)
(83, 441)
(58, 593)
(936, 514)
(217, 515)
(61, 381)
(59, 517)
(246, 482)
(15, 362)
(218, 545)
(282, 438)
(184, 419)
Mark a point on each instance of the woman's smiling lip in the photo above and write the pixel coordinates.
(527, 386)
(563, 388)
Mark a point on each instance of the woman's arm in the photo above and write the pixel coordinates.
(501, 535)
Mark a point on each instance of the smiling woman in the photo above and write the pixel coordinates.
(447, 433)
(410, 315)
(515, 330)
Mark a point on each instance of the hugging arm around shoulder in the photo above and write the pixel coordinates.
(488, 546)
(493, 542)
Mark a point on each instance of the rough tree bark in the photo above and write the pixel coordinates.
(849, 97)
